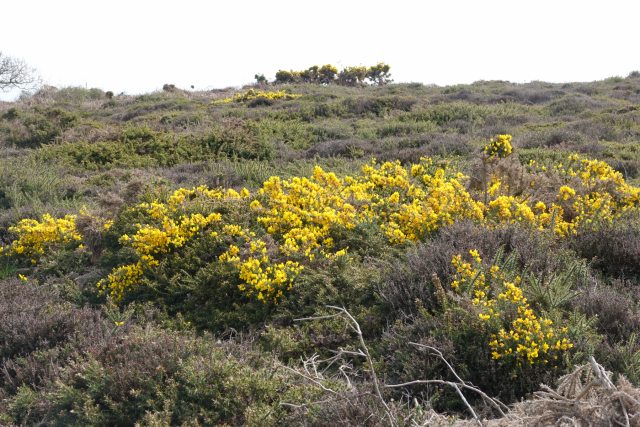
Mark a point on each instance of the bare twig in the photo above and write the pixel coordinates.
(467, 403)
(361, 352)
(316, 382)
(356, 328)
(495, 403)
(587, 388)
(318, 317)
(337, 399)
(624, 410)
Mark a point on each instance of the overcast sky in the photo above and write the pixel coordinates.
(137, 46)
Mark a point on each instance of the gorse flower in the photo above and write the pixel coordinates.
(499, 148)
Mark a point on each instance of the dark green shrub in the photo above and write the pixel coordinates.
(614, 79)
(140, 146)
(75, 94)
(634, 75)
(78, 94)
(12, 113)
(260, 102)
(41, 127)
(238, 140)
(170, 88)
(378, 105)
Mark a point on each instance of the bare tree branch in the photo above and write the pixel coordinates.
(16, 73)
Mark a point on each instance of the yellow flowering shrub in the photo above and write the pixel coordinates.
(499, 148)
(260, 277)
(35, 237)
(252, 94)
(518, 334)
(174, 230)
(588, 192)
(306, 213)
(328, 74)
(509, 210)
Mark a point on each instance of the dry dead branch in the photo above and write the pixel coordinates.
(316, 377)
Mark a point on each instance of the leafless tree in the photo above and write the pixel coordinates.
(16, 73)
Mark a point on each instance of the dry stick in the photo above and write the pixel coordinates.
(606, 382)
(356, 327)
(467, 403)
(587, 388)
(367, 355)
(291, 405)
(551, 393)
(493, 402)
(318, 383)
(624, 409)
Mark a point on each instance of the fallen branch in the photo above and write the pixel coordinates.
(495, 403)
(361, 352)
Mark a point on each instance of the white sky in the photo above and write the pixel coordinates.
(136, 46)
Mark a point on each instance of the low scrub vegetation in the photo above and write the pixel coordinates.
(321, 254)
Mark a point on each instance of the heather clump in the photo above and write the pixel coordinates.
(126, 369)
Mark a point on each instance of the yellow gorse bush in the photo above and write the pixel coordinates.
(252, 94)
(590, 193)
(261, 277)
(309, 219)
(151, 242)
(499, 148)
(519, 333)
(34, 237)
(310, 214)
